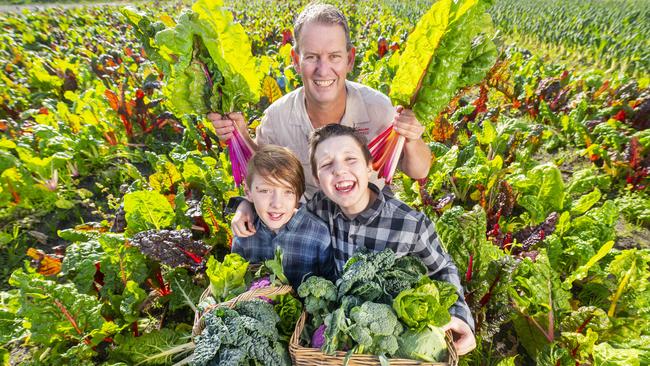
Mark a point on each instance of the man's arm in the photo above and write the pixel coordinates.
(416, 156)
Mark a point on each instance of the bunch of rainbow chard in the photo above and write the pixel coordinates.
(449, 49)
(211, 69)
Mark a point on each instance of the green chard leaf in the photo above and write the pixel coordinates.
(443, 54)
(212, 64)
(147, 210)
(55, 312)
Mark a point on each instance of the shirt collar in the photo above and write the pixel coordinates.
(355, 109)
(371, 212)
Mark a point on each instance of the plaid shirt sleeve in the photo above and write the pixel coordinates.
(441, 267)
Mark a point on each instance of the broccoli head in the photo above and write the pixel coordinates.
(318, 294)
(375, 328)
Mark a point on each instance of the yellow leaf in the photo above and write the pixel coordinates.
(167, 20)
(270, 89)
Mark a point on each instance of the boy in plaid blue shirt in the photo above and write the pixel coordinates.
(274, 184)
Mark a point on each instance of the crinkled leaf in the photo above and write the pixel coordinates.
(227, 278)
(132, 297)
(606, 355)
(582, 345)
(175, 248)
(55, 311)
(147, 210)
(586, 317)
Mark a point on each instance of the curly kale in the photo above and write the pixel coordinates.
(405, 274)
(244, 335)
(261, 313)
(362, 268)
(379, 276)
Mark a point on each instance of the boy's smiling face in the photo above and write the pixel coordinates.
(275, 201)
(343, 173)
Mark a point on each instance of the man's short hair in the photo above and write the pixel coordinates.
(277, 164)
(334, 130)
(322, 14)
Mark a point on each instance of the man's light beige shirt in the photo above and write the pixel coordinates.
(286, 123)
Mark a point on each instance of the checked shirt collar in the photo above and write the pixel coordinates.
(370, 213)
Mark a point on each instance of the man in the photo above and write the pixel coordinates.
(323, 55)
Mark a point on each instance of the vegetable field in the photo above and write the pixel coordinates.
(113, 191)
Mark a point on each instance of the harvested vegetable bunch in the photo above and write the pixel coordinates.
(381, 305)
(212, 69)
(449, 49)
(244, 335)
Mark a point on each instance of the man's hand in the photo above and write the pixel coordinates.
(406, 124)
(225, 125)
(464, 340)
(242, 223)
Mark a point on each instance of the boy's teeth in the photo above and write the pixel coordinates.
(344, 186)
(323, 82)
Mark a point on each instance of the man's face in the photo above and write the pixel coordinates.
(275, 201)
(323, 63)
(343, 174)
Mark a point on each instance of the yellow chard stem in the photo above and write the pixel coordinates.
(619, 290)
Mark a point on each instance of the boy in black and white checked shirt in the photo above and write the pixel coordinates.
(360, 215)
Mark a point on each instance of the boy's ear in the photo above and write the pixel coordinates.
(247, 191)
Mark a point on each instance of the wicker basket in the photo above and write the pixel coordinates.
(303, 356)
(199, 323)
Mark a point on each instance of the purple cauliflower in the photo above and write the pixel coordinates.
(318, 338)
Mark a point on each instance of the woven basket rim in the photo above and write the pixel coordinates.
(199, 324)
(305, 356)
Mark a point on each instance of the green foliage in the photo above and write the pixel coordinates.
(245, 334)
(288, 309)
(146, 210)
(427, 344)
(227, 278)
(453, 37)
(212, 67)
(608, 32)
(425, 305)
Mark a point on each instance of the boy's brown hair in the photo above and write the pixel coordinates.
(280, 165)
(334, 130)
